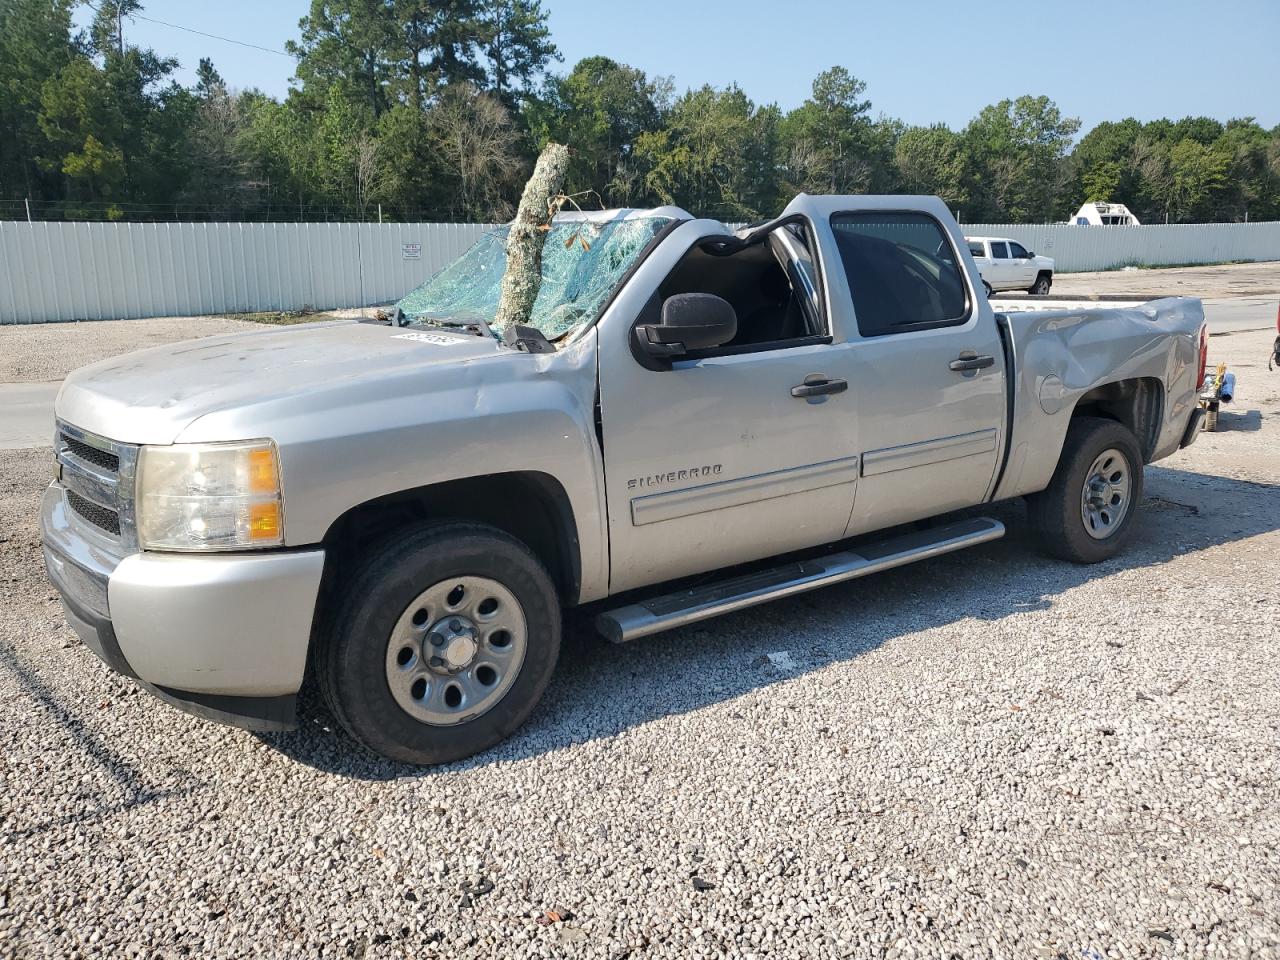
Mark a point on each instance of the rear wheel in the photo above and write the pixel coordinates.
(1041, 287)
(444, 641)
(987, 287)
(1086, 513)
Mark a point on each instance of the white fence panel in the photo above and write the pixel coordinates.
(109, 271)
(103, 271)
(1076, 248)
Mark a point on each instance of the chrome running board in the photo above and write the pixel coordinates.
(701, 603)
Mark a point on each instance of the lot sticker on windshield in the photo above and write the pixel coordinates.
(444, 341)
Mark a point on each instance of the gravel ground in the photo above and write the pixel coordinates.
(49, 351)
(1225, 280)
(986, 755)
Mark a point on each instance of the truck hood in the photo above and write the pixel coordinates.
(152, 395)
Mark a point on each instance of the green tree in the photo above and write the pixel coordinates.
(35, 45)
(209, 81)
(435, 45)
(280, 152)
(1102, 164)
(476, 144)
(828, 139)
(415, 184)
(1016, 150)
(516, 45)
(347, 45)
(931, 160)
(1198, 173)
(704, 157)
(600, 110)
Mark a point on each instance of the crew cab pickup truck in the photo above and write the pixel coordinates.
(1005, 264)
(400, 512)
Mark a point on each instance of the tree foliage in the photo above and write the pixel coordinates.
(436, 109)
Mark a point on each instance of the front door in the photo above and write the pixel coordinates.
(716, 461)
(930, 371)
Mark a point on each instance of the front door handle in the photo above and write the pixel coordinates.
(971, 362)
(816, 386)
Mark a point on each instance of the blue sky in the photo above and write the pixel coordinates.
(923, 60)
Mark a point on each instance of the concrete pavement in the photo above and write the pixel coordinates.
(26, 414)
(1237, 314)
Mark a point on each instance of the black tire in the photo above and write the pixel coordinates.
(352, 658)
(987, 287)
(1056, 512)
(1041, 287)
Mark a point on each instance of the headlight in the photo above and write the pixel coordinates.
(210, 496)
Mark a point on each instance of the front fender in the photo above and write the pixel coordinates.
(512, 412)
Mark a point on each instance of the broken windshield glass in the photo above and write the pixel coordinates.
(583, 261)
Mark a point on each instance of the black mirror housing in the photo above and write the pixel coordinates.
(690, 321)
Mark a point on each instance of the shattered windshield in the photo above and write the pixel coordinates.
(582, 263)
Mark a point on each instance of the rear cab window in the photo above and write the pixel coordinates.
(999, 251)
(902, 272)
(977, 249)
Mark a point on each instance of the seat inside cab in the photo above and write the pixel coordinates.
(769, 283)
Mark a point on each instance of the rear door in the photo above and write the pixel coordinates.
(929, 384)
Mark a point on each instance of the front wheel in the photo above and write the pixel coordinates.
(443, 643)
(1041, 287)
(1086, 513)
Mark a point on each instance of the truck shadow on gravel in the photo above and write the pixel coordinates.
(1248, 421)
(600, 689)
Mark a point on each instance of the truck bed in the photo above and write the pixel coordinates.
(1015, 303)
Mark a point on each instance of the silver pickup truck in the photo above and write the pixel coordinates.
(400, 511)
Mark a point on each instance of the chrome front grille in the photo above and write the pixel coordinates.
(109, 462)
(98, 475)
(100, 517)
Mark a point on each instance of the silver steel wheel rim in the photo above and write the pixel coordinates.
(1104, 501)
(456, 650)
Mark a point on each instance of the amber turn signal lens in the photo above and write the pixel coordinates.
(263, 477)
(264, 520)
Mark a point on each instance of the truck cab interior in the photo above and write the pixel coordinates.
(768, 281)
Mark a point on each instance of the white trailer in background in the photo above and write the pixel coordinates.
(1104, 215)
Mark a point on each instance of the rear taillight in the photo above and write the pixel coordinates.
(1204, 355)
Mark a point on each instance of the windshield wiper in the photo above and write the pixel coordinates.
(479, 326)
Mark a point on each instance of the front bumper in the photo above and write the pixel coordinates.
(223, 636)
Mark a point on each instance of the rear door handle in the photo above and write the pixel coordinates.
(815, 386)
(965, 363)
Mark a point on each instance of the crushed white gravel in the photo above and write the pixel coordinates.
(990, 754)
(49, 351)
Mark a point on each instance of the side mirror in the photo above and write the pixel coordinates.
(690, 321)
(1031, 254)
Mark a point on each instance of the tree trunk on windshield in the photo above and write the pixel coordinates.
(523, 276)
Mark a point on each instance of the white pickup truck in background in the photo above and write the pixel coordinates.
(1007, 265)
